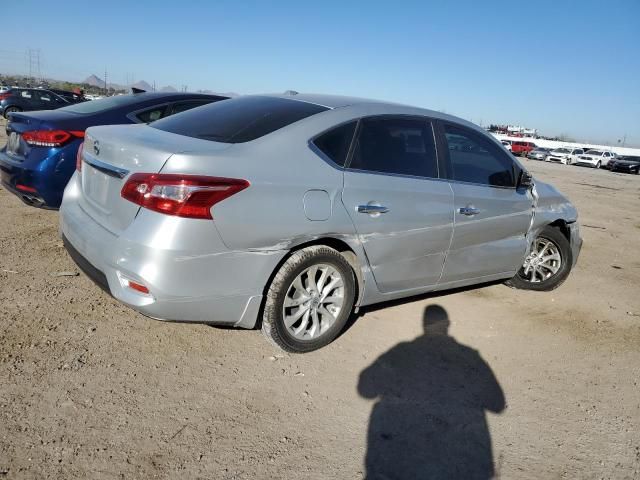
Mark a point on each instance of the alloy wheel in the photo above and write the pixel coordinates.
(313, 302)
(543, 262)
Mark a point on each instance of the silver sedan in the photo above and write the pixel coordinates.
(290, 211)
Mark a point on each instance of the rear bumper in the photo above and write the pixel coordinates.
(47, 176)
(218, 286)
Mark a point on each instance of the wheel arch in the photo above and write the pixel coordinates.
(338, 244)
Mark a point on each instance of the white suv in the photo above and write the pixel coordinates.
(565, 155)
(595, 158)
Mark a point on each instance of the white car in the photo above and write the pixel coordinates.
(3, 89)
(564, 155)
(507, 144)
(594, 158)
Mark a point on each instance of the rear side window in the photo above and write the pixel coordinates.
(151, 114)
(403, 146)
(475, 159)
(238, 120)
(336, 142)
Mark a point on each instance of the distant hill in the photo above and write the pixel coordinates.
(142, 85)
(168, 89)
(94, 81)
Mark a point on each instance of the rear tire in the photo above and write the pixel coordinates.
(318, 285)
(9, 110)
(547, 279)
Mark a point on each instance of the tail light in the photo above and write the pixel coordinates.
(50, 138)
(189, 196)
(79, 157)
(4, 96)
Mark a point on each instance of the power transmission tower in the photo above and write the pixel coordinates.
(106, 90)
(33, 59)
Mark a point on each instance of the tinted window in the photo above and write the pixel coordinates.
(238, 120)
(151, 114)
(45, 97)
(184, 106)
(396, 145)
(335, 143)
(477, 160)
(103, 104)
(596, 153)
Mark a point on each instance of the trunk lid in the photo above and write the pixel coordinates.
(111, 154)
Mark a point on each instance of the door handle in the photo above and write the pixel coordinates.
(372, 209)
(469, 210)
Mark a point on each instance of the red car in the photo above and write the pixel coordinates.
(522, 148)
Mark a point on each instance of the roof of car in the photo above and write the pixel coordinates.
(152, 95)
(329, 101)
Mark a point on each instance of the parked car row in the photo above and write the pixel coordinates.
(30, 99)
(595, 158)
(40, 155)
(288, 212)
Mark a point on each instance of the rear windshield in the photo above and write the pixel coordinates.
(594, 152)
(239, 119)
(95, 106)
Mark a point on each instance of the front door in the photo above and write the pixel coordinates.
(492, 216)
(402, 211)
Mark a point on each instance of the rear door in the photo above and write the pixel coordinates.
(402, 211)
(491, 216)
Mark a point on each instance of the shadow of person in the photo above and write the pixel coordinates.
(429, 421)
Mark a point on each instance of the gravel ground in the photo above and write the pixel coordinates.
(544, 385)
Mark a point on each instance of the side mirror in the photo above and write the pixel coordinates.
(525, 180)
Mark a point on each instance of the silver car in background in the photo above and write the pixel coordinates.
(538, 153)
(290, 211)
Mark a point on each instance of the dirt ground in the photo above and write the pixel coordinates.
(544, 385)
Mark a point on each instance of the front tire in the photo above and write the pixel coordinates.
(599, 164)
(309, 300)
(548, 264)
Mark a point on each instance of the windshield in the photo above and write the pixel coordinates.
(594, 152)
(95, 106)
(629, 159)
(563, 150)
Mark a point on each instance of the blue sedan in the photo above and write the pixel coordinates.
(40, 155)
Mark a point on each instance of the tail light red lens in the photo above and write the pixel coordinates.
(50, 138)
(79, 157)
(189, 196)
(4, 96)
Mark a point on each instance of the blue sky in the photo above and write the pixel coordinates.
(569, 67)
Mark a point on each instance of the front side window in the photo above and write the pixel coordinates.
(475, 159)
(45, 96)
(403, 146)
(336, 142)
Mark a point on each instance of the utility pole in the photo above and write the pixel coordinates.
(106, 90)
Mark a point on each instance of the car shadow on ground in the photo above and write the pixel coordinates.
(430, 417)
